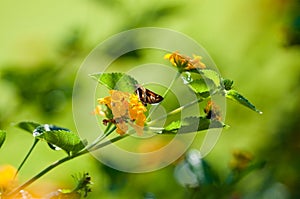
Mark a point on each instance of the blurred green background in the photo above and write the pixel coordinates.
(253, 42)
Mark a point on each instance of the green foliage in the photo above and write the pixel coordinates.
(267, 57)
(192, 124)
(116, 81)
(202, 85)
(2, 137)
(173, 126)
(212, 75)
(40, 84)
(123, 82)
(202, 74)
(237, 97)
(65, 140)
(28, 126)
(56, 137)
(73, 43)
(202, 82)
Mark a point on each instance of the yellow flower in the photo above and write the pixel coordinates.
(122, 127)
(185, 62)
(126, 108)
(119, 103)
(8, 183)
(7, 174)
(106, 101)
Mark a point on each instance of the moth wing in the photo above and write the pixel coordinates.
(141, 93)
(153, 98)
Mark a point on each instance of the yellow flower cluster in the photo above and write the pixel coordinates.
(126, 108)
(185, 62)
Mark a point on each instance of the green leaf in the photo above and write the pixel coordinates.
(192, 124)
(237, 97)
(2, 137)
(199, 84)
(65, 140)
(175, 125)
(212, 75)
(28, 126)
(116, 81)
(47, 127)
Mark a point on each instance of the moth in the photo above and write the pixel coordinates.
(147, 97)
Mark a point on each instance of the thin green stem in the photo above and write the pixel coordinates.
(101, 137)
(26, 157)
(65, 159)
(109, 142)
(43, 172)
(171, 84)
(177, 110)
(166, 92)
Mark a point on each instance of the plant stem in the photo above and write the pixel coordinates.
(108, 142)
(26, 157)
(65, 159)
(171, 84)
(43, 172)
(101, 137)
(166, 92)
(177, 110)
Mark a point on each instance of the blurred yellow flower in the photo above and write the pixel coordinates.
(8, 183)
(185, 62)
(240, 160)
(7, 174)
(125, 108)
